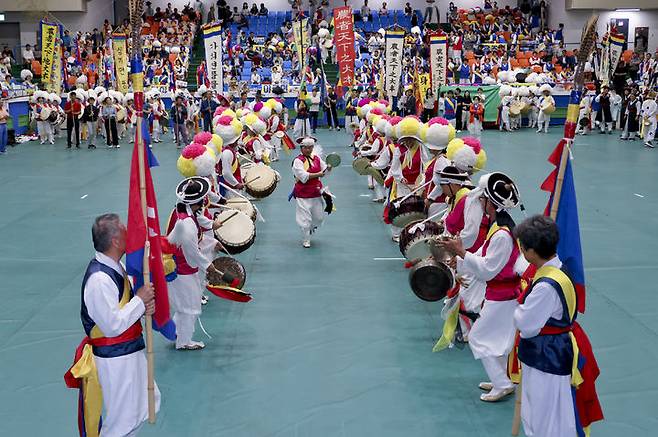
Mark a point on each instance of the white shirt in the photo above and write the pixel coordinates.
(300, 173)
(28, 55)
(184, 235)
(102, 301)
(227, 166)
(485, 268)
(540, 305)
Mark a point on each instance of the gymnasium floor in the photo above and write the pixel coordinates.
(334, 343)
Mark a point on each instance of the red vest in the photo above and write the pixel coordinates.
(454, 223)
(411, 172)
(507, 284)
(182, 267)
(312, 187)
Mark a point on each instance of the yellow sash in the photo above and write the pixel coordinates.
(458, 196)
(85, 369)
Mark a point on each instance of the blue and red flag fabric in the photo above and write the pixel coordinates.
(569, 248)
(137, 235)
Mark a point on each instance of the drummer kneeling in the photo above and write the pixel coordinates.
(308, 168)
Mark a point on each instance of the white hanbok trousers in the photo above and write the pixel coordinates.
(123, 382)
(309, 214)
(546, 404)
(185, 298)
(493, 332)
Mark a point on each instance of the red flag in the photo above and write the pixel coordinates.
(136, 240)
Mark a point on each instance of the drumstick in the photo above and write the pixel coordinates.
(241, 195)
(433, 216)
(228, 218)
(254, 179)
(414, 191)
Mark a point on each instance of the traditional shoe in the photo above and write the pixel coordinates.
(306, 244)
(497, 395)
(191, 346)
(395, 238)
(204, 300)
(649, 145)
(486, 386)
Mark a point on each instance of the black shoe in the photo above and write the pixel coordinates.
(68, 147)
(77, 146)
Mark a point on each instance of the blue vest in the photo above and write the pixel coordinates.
(88, 324)
(550, 353)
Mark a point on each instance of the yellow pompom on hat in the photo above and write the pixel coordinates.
(196, 160)
(254, 123)
(467, 154)
(216, 144)
(228, 128)
(409, 127)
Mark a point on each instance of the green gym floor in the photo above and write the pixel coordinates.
(334, 343)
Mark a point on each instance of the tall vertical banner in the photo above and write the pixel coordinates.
(344, 43)
(55, 83)
(212, 38)
(615, 47)
(49, 35)
(120, 51)
(394, 48)
(302, 39)
(439, 60)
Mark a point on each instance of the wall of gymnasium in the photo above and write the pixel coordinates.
(574, 19)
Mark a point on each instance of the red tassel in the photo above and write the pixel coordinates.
(408, 265)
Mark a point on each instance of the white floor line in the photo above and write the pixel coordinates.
(364, 195)
(638, 195)
(389, 259)
(84, 196)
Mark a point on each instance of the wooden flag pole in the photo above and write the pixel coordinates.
(136, 8)
(148, 320)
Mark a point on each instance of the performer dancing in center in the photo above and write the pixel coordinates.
(308, 168)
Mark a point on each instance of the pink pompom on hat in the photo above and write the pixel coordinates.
(193, 150)
(202, 138)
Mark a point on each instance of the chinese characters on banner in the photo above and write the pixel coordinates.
(438, 60)
(423, 85)
(49, 35)
(213, 43)
(302, 39)
(55, 84)
(344, 42)
(394, 47)
(120, 61)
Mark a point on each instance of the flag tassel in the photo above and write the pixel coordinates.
(559, 180)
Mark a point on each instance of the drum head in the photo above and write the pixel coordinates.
(237, 232)
(243, 205)
(360, 165)
(228, 265)
(430, 281)
(333, 160)
(260, 180)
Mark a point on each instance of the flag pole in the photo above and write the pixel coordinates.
(587, 45)
(137, 75)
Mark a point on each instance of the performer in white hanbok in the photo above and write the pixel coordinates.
(437, 135)
(546, 108)
(492, 336)
(229, 175)
(649, 113)
(406, 169)
(184, 231)
(310, 197)
(552, 386)
(110, 364)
